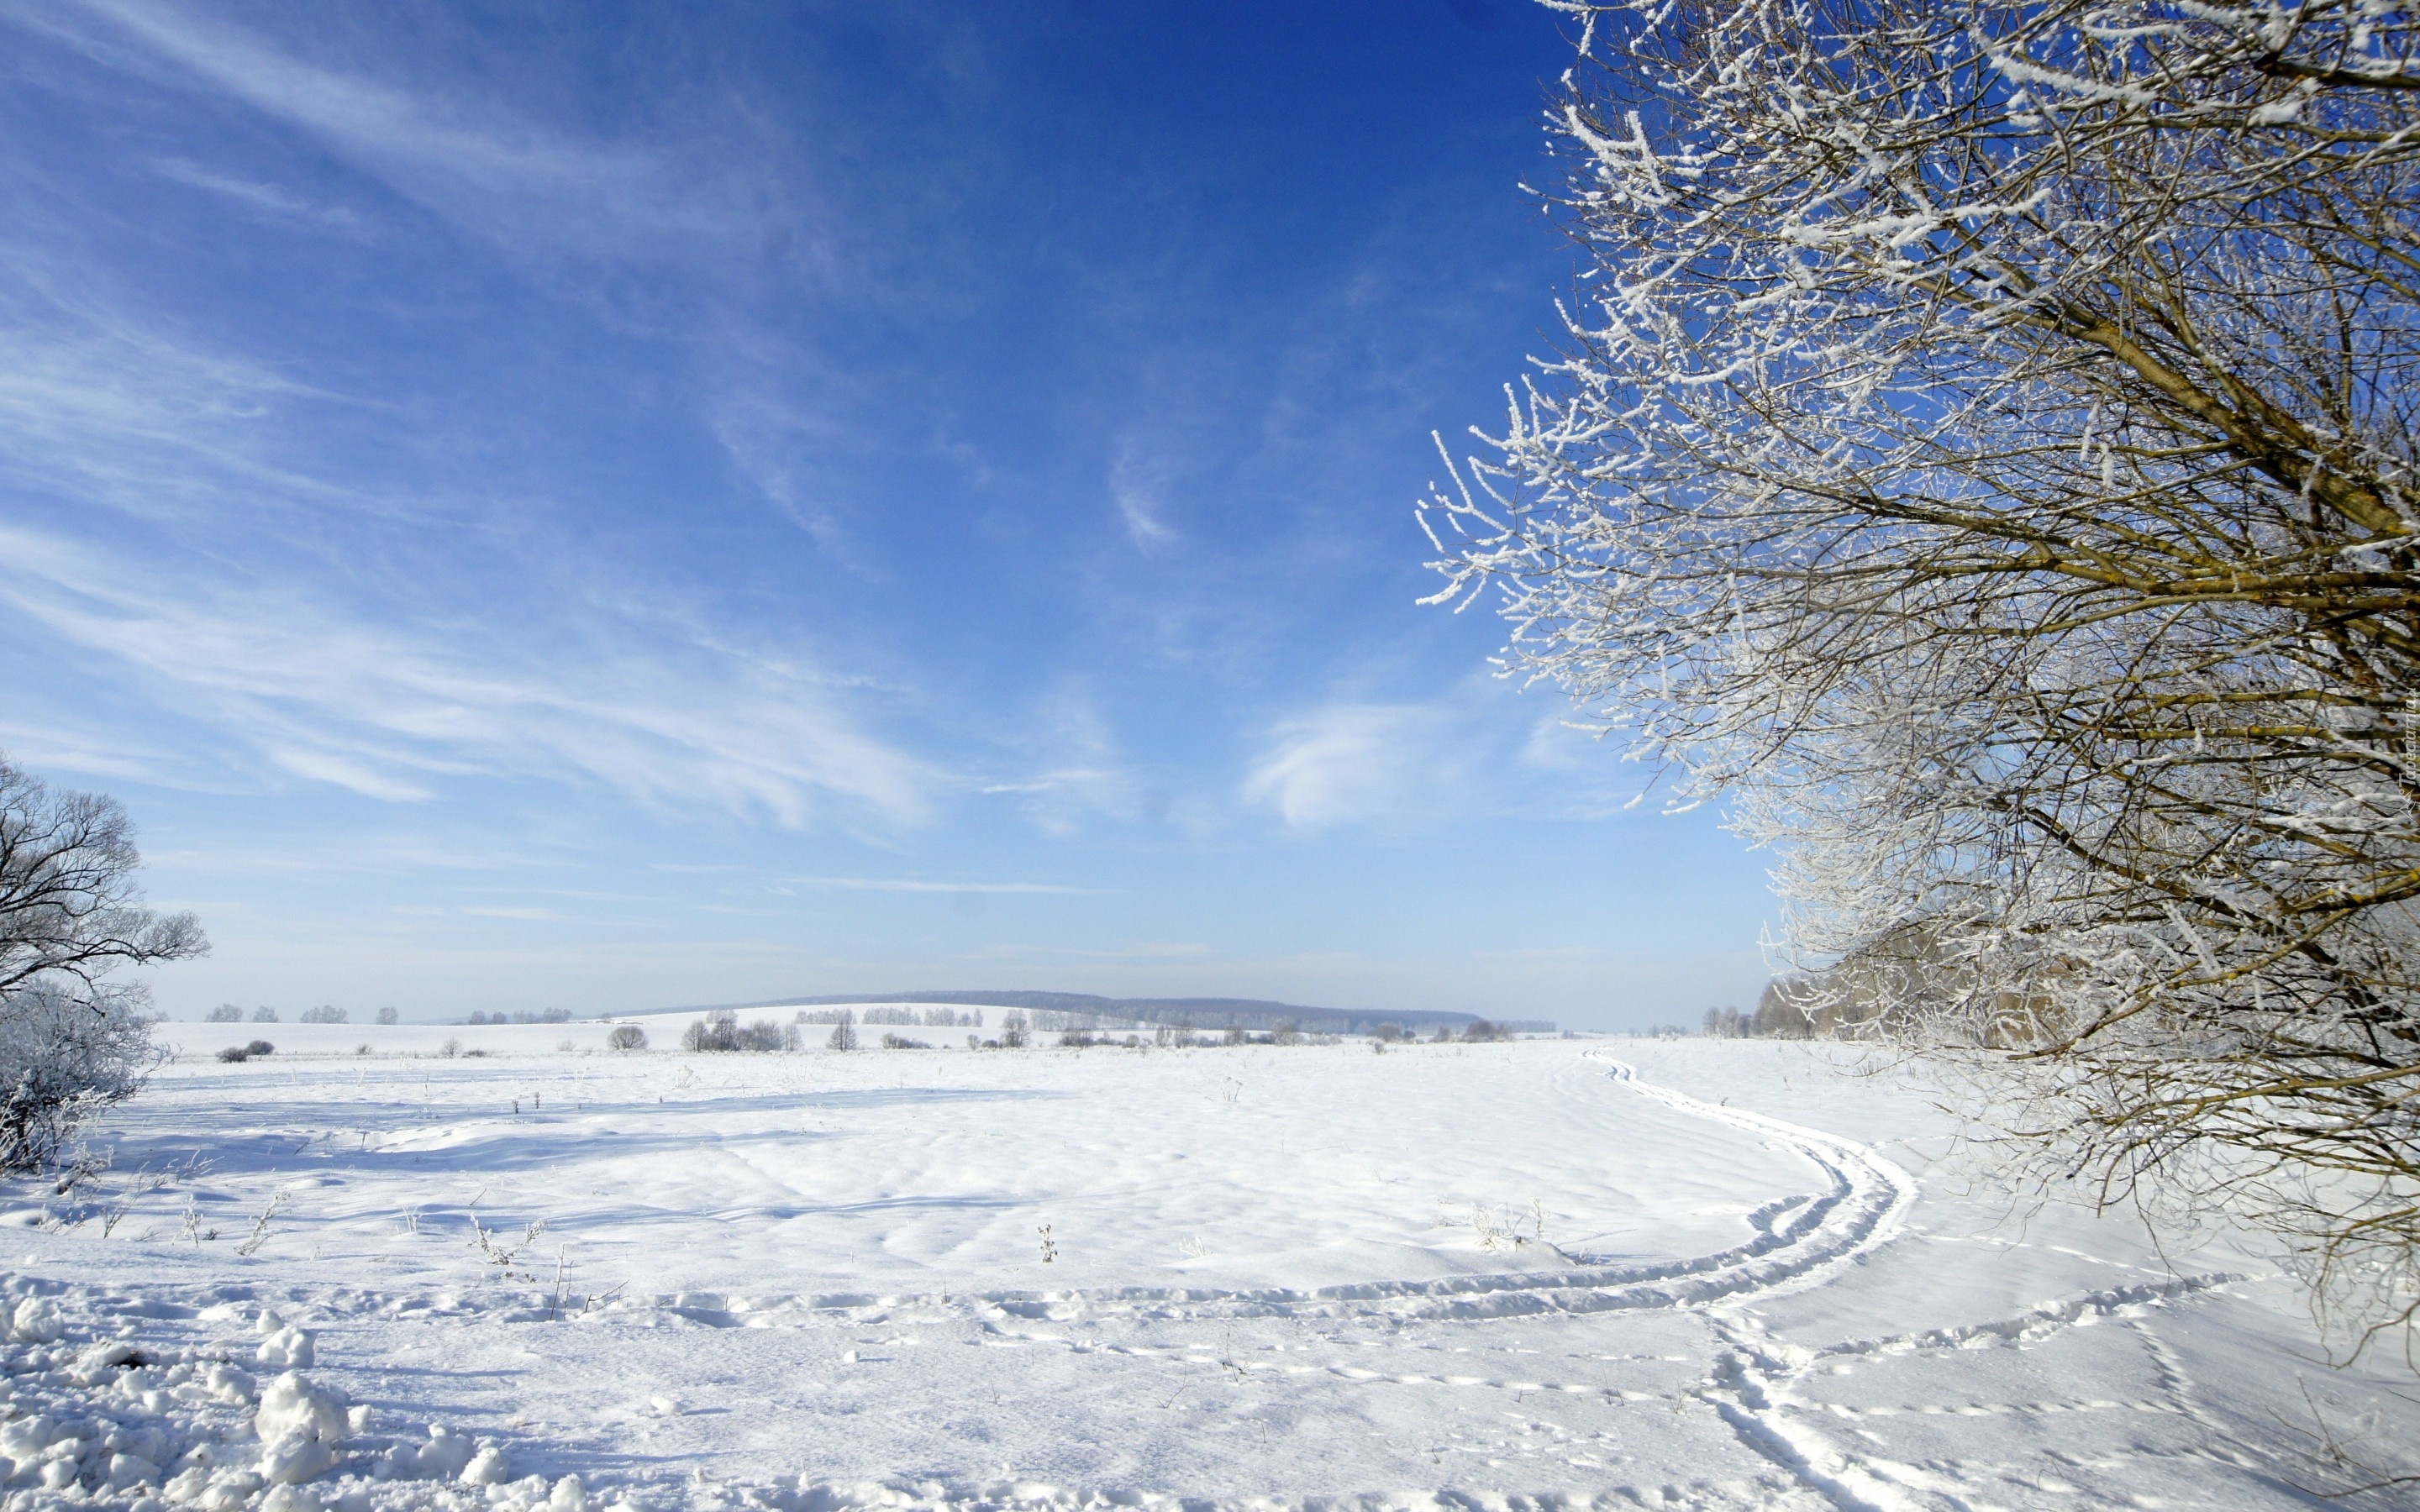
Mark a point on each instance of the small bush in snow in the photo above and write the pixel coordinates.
(897, 1042)
(260, 1047)
(1481, 1032)
(235, 1055)
(626, 1037)
(223, 1013)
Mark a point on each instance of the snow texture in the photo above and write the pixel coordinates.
(1540, 1276)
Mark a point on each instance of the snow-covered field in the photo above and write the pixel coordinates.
(1547, 1274)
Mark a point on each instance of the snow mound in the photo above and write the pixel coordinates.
(118, 1422)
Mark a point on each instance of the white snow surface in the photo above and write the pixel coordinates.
(1541, 1276)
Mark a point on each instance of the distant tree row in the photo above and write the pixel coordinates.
(903, 1016)
(1780, 1016)
(722, 1032)
(325, 1013)
(1477, 1031)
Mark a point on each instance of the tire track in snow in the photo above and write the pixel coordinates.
(1775, 1364)
(1750, 1388)
(1800, 1241)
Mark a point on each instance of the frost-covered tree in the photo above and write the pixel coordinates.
(1983, 453)
(65, 1054)
(70, 914)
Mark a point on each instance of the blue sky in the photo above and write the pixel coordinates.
(603, 507)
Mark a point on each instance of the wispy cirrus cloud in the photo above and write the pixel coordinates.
(1349, 763)
(388, 709)
(261, 198)
(1473, 753)
(1140, 489)
(484, 169)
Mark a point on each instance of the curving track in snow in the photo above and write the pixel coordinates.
(1800, 1240)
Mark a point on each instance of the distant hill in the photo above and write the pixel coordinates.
(1199, 1012)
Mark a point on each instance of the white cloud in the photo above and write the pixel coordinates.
(1346, 764)
(257, 196)
(1485, 751)
(506, 178)
(785, 454)
(388, 710)
(1138, 489)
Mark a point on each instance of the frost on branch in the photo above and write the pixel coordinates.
(1982, 454)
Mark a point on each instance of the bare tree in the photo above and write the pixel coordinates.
(71, 913)
(70, 907)
(1984, 454)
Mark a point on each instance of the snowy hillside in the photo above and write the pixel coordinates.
(1504, 1275)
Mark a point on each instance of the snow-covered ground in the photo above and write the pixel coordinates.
(1547, 1274)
